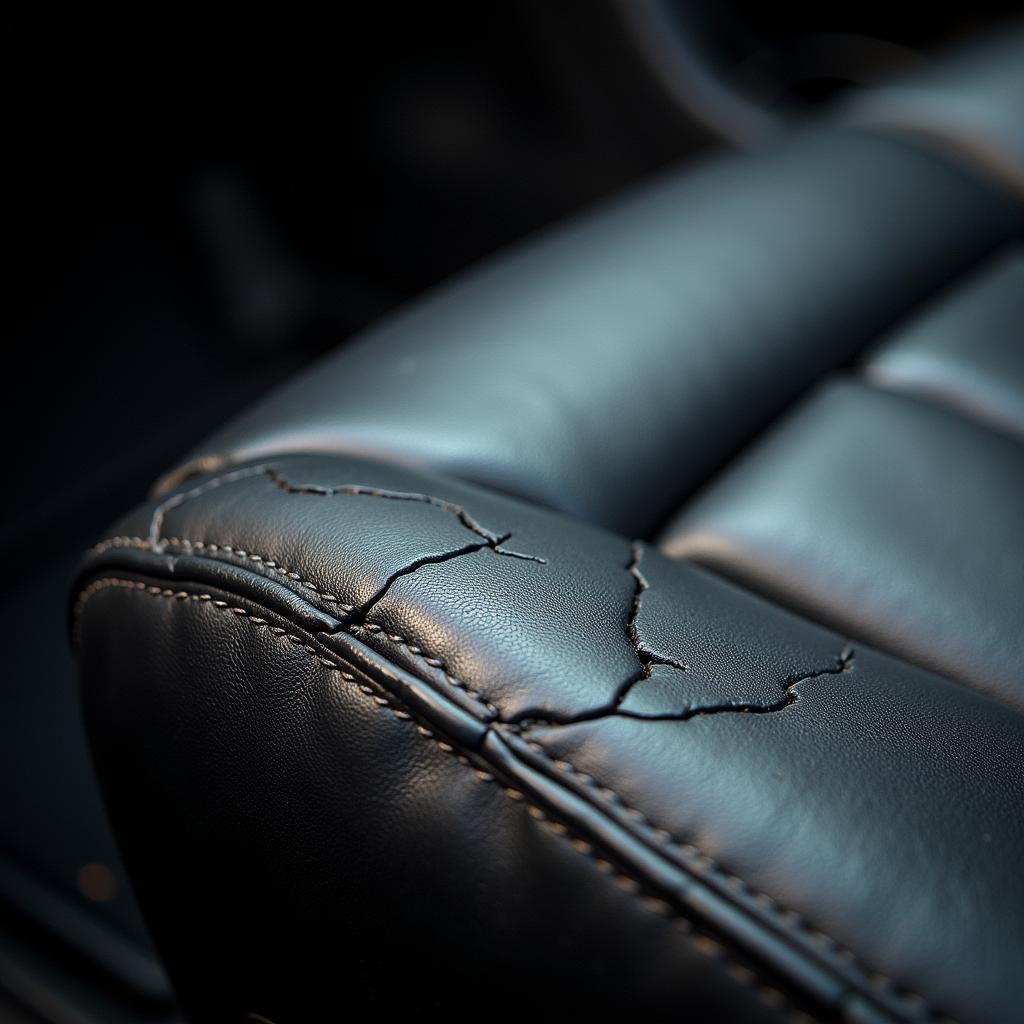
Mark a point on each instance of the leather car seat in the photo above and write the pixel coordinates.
(634, 625)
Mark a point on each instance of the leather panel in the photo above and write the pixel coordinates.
(894, 520)
(854, 808)
(965, 349)
(305, 851)
(728, 759)
(607, 368)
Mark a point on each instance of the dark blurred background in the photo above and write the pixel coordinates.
(199, 202)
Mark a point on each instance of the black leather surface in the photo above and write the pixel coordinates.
(890, 518)
(308, 855)
(606, 369)
(373, 738)
(967, 348)
(730, 766)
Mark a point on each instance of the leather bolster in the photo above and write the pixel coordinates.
(357, 720)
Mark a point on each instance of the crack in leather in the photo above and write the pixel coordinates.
(356, 619)
(491, 539)
(649, 659)
(843, 663)
(357, 616)
(585, 848)
(701, 942)
(175, 500)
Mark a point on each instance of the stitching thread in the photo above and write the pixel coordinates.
(179, 499)
(705, 862)
(703, 944)
(369, 625)
(786, 917)
(268, 563)
(663, 836)
(493, 540)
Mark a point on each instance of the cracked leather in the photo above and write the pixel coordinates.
(895, 519)
(326, 704)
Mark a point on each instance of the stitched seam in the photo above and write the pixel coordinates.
(176, 500)
(704, 944)
(368, 625)
(268, 563)
(493, 540)
(708, 864)
(698, 859)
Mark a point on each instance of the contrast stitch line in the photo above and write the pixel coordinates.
(156, 523)
(268, 563)
(786, 918)
(703, 944)
(493, 541)
(119, 542)
(665, 839)
(143, 544)
(434, 662)
(184, 595)
(367, 625)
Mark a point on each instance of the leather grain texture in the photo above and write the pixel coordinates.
(506, 737)
(607, 368)
(893, 519)
(307, 851)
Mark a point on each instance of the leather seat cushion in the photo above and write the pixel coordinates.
(894, 520)
(607, 369)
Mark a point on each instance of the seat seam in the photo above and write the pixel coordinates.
(145, 544)
(275, 566)
(703, 944)
(788, 919)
